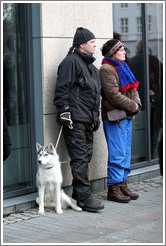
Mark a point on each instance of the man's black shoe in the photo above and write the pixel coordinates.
(92, 205)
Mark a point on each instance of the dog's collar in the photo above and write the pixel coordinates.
(49, 167)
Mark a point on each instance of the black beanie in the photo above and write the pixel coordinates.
(82, 35)
(112, 45)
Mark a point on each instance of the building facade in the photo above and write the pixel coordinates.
(36, 37)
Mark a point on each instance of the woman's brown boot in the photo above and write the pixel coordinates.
(127, 192)
(115, 194)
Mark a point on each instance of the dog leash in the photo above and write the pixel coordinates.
(60, 132)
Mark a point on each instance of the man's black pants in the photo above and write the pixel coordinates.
(79, 143)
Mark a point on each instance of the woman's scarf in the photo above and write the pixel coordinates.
(127, 79)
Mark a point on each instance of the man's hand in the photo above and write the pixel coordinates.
(65, 119)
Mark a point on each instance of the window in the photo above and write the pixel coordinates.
(155, 46)
(124, 25)
(147, 126)
(134, 44)
(139, 25)
(149, 23)
(124, 5)
(17, 168)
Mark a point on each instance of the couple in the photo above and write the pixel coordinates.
(77, 99)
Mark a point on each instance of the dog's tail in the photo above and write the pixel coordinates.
(69, 201)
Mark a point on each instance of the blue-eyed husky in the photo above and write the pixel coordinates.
(49, 181)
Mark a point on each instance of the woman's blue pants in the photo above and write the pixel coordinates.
(119, 150)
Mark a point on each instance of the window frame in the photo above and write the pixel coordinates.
(124, 26)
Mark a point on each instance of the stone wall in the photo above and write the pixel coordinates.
(58, 24)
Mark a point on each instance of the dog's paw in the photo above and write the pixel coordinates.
(78, 209)
(59, 211)
(41, 212)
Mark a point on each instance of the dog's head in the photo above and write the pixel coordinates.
(47, 156)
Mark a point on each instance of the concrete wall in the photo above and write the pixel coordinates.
(58, 24)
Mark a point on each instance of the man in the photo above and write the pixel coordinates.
(77, 98)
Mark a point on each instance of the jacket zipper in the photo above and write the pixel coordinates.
(78, 91)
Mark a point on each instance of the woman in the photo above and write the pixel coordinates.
(120, 102)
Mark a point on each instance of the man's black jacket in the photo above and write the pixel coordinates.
(78, 88)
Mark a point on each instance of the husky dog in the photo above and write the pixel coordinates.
(49, 181)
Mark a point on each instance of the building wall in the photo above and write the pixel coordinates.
(58, 24)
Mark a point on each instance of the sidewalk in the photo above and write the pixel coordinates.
(139, 221)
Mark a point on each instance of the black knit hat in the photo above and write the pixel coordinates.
(82, 35)
(111, 47)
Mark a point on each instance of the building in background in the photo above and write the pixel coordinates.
(36, 37)
(128, 21)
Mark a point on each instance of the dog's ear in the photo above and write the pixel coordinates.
(38, 146)
(51, 147)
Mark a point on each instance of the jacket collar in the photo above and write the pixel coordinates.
(87, 58)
